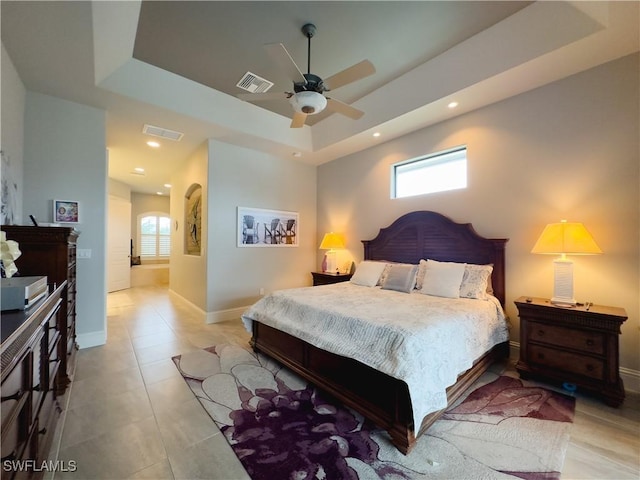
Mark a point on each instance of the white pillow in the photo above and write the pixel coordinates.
(368, 273)
(443, 279)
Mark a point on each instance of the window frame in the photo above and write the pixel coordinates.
(140, 235)
(425, 161)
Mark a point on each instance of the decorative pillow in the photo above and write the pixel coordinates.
(475, 281)
(443, 279)
(401, 278)
(422, 268)
(368, 273)
(385, 272)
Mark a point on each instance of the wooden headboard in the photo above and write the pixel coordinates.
(424, 235)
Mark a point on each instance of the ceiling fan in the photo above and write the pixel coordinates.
(308, 96)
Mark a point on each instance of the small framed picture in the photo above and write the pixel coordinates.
(66, 211)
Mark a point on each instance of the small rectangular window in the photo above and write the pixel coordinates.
(434, 173)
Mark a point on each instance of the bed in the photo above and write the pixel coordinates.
(378, 393)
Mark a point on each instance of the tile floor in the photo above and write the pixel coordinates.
(131, 416)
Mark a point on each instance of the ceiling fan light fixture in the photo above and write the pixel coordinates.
(307, 102)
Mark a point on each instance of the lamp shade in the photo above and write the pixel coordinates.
(332, 241)
(566, 238)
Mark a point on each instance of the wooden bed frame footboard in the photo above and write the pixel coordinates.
(377, 396)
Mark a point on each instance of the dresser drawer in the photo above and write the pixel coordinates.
(14, 410)
(560, 360)
(582, 340)
(39, 374)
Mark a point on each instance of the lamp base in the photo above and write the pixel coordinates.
(563, 283)
(332, 264)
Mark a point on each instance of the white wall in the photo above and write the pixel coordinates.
(567, 150)
(65, 158)
(12, 141)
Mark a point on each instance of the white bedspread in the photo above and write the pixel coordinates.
(423, 340)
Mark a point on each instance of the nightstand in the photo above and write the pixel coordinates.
(577, 345)
(325, 278)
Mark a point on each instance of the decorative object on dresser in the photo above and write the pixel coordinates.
(331, 242)
(51, 251)
(577, 346)
(565, 239)
(9, 253)
(326, 278)
(31, 341)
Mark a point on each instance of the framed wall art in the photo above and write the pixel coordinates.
(258, 227)
(66, 211)
(193, 220)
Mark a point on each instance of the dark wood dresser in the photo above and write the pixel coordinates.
(577, 345)
(29, 405)
(51, 251)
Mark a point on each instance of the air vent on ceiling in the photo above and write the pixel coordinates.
(253, 83)
(162, 132)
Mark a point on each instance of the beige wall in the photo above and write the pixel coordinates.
(240, 177)
(188, 276)
(567, 150)
(226, 279)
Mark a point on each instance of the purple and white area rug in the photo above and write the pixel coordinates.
(281, 427)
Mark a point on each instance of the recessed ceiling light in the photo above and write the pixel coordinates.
(167, 185)
(153, 144)
(453, 105)
(159, 193)
(376, 134)
(139, 169)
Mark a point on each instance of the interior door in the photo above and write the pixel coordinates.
(118, 244)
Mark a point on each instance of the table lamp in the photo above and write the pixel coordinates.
(564, 239)
(331, 242)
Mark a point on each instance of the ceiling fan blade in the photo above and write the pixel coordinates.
(279, 54)
(351, 74)
(343, 108)
(298, 120)
(258, 97)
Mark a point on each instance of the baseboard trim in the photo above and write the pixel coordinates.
(201, 314)
(93, 339)
(224, 315)
(211, 317)
(630, 378)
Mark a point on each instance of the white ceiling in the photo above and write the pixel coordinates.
(175, 65)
